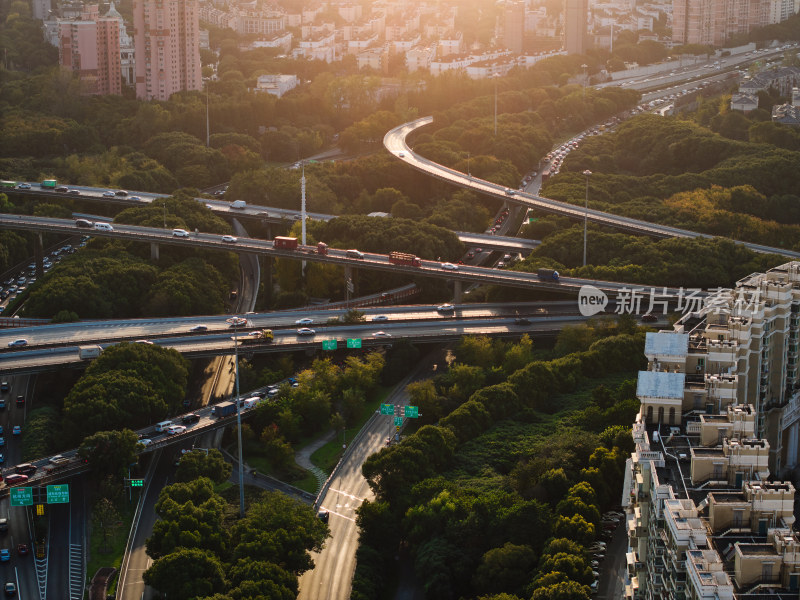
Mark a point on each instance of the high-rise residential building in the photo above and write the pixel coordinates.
(576, 19)
(720, 413)
(40, 9)
(166, 36)
(89, 47)
(712, 22)
(514, 30)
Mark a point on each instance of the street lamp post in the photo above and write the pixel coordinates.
(235, 322)
(495, 76)
(165, 214)
(584, 67)
(587, 173)
(469, 173)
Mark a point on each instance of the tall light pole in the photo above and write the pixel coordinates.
(584, 67)
(235, 320)
(495, 76)
(587, 173)
(165, 214)
(469, 173)
(208, 122)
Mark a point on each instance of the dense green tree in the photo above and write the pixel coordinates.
(199, 463)
(186, 573)
(110, 452)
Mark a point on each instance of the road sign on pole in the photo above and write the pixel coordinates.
(21, 497)
(58, 494)
(137, 482)
(329, 344)
(398, 421)
(354, 342)
(387, 409)
(412, 412)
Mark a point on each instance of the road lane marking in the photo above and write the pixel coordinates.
(346, 494)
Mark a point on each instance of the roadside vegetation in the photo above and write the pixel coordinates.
(500, 490)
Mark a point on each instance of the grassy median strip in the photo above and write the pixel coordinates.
(109, 553)
(328, 455)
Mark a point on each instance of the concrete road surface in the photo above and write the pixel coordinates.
(334, 566)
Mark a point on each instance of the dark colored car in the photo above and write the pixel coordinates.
(189, 419)
(323, 516)
(649, 318)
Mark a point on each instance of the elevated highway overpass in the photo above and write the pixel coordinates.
(395, 142)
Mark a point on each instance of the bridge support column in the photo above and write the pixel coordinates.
(349, 285)
(457, 294)
(38, 254)
(154, 251)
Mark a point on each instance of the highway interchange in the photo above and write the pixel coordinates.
(330, 580)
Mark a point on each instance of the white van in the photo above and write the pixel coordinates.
(163, 426)
(251, 402)
(238, 204)
(355, 254)
(101, 226)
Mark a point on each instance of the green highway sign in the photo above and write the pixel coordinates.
(412, 412)
(387, 409)
(21, 497)
(398, 421)
(58, 494)
(329, 344)
(354, 342)
(137, 482)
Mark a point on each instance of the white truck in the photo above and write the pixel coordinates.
(87, 352)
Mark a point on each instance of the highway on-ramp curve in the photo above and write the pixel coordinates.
(395, 142)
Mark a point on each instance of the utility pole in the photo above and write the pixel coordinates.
(495, 76)
(235, 322)
(587, 173)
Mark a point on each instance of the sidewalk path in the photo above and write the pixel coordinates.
(303, 458)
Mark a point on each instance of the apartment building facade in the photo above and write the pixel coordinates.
(166, 36)
(708, 514)
(712, 22)
(90, 48)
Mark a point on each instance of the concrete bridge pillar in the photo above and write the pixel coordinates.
(457, 293)
(38, 254)
(154, 251)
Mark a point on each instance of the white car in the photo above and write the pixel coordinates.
(143, 342)
(230, 239)
(180, 233)
(19, 342)
(377, 318)
(305, 331)
(24, 186)
(449, 266)
(108, 194)
(237, 321)
(304, 321)
(175, 429)
(145, 442)
(381, 334)
(445, 308)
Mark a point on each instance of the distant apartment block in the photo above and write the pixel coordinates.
(282, 40)
(166, 35)
(576, 20)
(783, 79)
(420, 58)
(90, 48)
(514, 28)
(462, 62)
(40, 9)
(712, 22)
(277, 85)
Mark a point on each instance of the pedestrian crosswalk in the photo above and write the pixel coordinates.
(76, 572)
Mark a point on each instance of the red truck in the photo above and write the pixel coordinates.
(286, 243)
(401, 258)
(322, 248)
